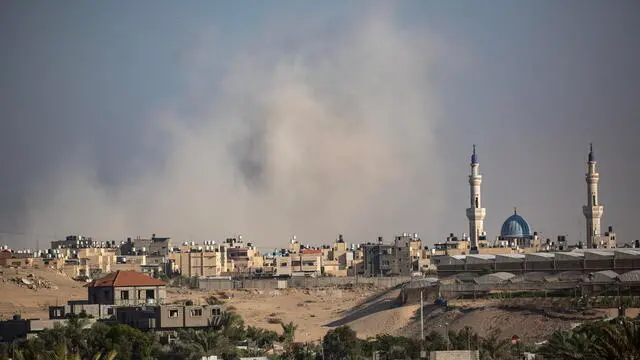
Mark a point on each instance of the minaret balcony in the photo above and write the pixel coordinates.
(593, 211)
(476, 213)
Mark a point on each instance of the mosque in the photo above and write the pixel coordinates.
(515, 233)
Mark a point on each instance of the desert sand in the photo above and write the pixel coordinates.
(369, 311)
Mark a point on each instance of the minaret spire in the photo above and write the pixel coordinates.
(474, 157)
(475, 213)
(592, 210)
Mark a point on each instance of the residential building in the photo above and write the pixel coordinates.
(283, 265)
(153, 246)
(207, 260)
(388, 259)
(168, 317)
(307, 261)
(127, 288)
(81, 242)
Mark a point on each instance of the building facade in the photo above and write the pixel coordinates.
(126, 288)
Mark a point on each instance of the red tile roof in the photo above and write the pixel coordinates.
(310, 251)
(126, 278)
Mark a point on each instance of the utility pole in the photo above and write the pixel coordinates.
(423, 354)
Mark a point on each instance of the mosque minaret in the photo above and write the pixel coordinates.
(475, 213)
(593, 210)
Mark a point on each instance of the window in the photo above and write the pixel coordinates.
(477, 204)
(173, 313)
(150, 294)
(124, 295)
(196, 312)
(110, 311)
(594, 200)
(215, 312)
(284, 264)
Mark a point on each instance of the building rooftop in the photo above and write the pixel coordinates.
(513, 256)
(515, 227)
(310, 251)
(548, 255)
(126, 278)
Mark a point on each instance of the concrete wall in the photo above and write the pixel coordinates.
(386, 282)
(98, 311)
(454, 290)
(215, 284)
(101, 295)
(170, 316)
(299, 282)
(455, 355)
(557, 266)
(39, 325)
(137, 295)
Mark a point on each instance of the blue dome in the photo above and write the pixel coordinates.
(515, 227)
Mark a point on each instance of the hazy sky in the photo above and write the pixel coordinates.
(204, 119)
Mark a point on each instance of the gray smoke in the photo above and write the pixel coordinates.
(319, 135)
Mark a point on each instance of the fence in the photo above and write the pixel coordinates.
(299, 282)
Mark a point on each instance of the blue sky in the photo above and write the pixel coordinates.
(125, 95)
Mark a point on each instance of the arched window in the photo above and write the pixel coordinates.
(477, 203)
(594, 199)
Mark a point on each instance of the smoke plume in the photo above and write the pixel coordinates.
(327, 131)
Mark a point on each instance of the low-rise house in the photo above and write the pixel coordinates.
(168, 317)
(125, 288)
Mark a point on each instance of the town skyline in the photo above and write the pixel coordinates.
(314, 120)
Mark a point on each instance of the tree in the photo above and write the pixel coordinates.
(465, 339)
(493, 347)
(618, 339)
(393, 347)
(263, 339)
(341, 343)
(232, 326)
(288, 335)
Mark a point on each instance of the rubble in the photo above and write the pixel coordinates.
(33, 282)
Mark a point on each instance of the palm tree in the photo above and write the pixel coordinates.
(619, 339)
(111, 355)
(288, 335)
(207, 341)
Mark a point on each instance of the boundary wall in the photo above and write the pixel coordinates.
(298, 282)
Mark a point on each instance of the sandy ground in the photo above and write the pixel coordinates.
(369, 311)
(49, 288)
(315, 311)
